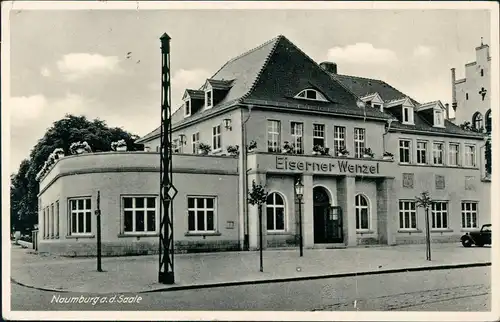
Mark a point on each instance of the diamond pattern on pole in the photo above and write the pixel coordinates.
(171, 191)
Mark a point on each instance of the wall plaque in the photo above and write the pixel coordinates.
(440, 183)
(408, 180)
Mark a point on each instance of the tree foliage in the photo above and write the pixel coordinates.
(24, 187)
(424, 200)
(258, 195)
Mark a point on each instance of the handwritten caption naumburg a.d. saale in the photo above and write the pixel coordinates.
(94, 300)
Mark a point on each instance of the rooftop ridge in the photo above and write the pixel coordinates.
(263, 67)
(246, 53)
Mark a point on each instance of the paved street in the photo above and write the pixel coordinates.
(139, 273)
(441, 290)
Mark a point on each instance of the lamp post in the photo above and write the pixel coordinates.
(299, 190)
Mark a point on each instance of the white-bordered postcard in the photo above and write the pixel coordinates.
(250, 160)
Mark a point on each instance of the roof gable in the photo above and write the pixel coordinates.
(288, 71)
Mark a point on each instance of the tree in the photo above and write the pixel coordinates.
(24, 186)
(258, 196)
(425, 201)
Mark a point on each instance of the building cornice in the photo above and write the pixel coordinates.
(153, 169)
(431, 133)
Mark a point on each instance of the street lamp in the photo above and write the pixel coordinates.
(299, 190)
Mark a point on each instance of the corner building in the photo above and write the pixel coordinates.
(294, 110)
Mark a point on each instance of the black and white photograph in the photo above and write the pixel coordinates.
(250, 160)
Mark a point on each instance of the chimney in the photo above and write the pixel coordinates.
(329, 67)
(447, 111)
(453, 90)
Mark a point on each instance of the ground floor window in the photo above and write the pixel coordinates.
(362, 213)
(469, 214)
(275, 211)
(407, 214)
(439, 215)
(201, 214)
(80, 216)
(139, 214)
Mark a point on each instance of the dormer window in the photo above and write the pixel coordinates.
(312, 95)
(373, 100)
(438, 118)
(407, 115)
(208, 98)
(187, 107)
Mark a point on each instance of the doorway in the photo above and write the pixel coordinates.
(327, 219)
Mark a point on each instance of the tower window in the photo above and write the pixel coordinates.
(482, 72)
(466, 96)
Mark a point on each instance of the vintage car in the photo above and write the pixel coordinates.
(478, 238)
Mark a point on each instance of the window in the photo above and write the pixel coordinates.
(318, 135)
(139, 215)
(407, 115)
(216, 138)
(52, 226)
(201, 214)
(482, 72)
(439, 215)
(208, 98)
(488, 121)
(80, 216)
(466, 96)
(362, 221)
(454, 154)
(273, 136)
(421, 152)
(378, 106)
(477, 120)
(297, 130)
(407, 215)
(438, 153)
(470, 156)
(438, 118)
(57, 219)
(196, 142)
(275, 207)
(187, 108)
(312, 95)
(338, 138)
(45, 224)
(469, 214)
(359, 142)
(175, 146)
(404, 151)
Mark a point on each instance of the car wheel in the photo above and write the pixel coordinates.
(466, 242)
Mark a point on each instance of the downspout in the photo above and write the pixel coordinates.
(244, 225)
(389, 122)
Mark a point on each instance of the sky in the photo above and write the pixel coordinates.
(76, 61)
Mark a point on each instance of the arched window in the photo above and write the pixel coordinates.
(487, 116)
(477, 120)
(362, 213)
(275, 207)
(312, 95)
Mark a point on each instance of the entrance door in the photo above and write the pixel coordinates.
(327, 219)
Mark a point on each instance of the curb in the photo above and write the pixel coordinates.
(277, 280)
(316, 277)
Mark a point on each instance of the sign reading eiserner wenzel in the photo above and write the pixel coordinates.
(338, 166)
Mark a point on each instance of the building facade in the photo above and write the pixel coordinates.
(471, 99)
(362, 150)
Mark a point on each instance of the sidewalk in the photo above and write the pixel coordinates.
(140, 273)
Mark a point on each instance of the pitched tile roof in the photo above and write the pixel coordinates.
(366, 86)
(274, 72)
(196, 94)
(220, 84)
